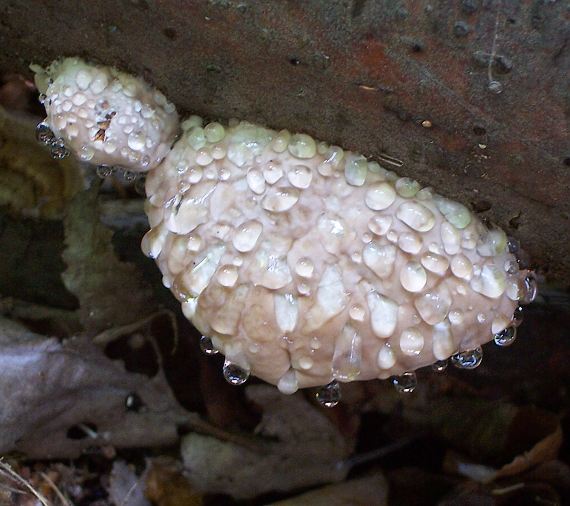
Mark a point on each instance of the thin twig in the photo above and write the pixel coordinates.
(108, 336)
(12, 489)
(507, 490)
(129, 494)
(7, 470)
(378, 453)
(250, 443)
(64, 500)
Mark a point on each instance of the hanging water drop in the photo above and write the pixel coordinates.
(207, 346)
(468, 359)
(439, 365)
(513, 245)
(44, 135)
(59, 151)
(234, 374)
(140, 185)
(517, 317)
(530, 289)
(329, 395)
(405, 383)
(506, 337)
(133, 402)
(523, 259)
(511, 266)
(104, 171)
(129, 176)
(495, 87)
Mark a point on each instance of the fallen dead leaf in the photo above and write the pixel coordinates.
(110, 292)
(125, 487)
(301, 447)
(367, 491)
(59, 399)
(167, 486)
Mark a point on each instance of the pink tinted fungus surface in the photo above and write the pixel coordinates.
(302, 263)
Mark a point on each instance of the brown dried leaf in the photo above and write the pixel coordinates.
(58, 399)
(125, 487)
(110, 292)
(371, 490)
(543, 451)
(301, 448)
(167, 486)
(489, 433)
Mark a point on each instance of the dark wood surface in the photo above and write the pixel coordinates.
(410, 79)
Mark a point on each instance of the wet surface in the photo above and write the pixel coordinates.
(472, 96)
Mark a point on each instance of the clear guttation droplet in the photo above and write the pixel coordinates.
(405, 383)
(44, 134)
(129, 176)
(506, 337)
(133, 402)
(439, 365)
(517, 317)
(523, 259)
(468, 359)
(329, 395)
(513, 245)
(140, 185)
(530, 289)
(511, 266)
(59, 151)
(104, 171)
(234, 374)
(495, 87)
(207, 346)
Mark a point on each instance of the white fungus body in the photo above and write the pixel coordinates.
(107, 117)
(305, 263)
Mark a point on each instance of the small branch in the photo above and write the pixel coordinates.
(6, 470)
(53, 486)
(202, 427)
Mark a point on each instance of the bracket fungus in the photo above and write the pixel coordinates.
(304, 264)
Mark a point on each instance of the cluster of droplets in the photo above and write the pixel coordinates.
(330, 395)
(139, 179)
(184, 215)
(58, 151)
(45, 136)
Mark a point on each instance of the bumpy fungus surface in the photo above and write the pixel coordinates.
(106, 116)
(302, 262)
